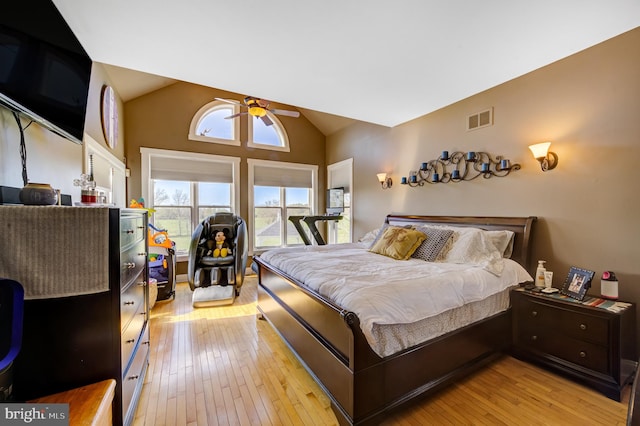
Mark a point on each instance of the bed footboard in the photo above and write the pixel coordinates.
(318, 332)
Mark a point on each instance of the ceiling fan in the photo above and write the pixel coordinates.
(258, 108)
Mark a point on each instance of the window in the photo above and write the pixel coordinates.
(279, 190)
(271, 137)
(210, 124)
(184, 188)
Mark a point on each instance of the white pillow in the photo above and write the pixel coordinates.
(473, 246)
(502, 240)
(369, 236)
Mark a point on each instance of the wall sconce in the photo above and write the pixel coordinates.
(548, 160)
(384, 180)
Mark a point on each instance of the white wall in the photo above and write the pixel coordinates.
(50, 158)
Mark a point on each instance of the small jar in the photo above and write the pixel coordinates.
(609, 285)
(89, 196)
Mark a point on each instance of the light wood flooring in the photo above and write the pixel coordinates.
(222, 366)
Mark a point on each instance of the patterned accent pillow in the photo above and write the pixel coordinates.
(436, 240)
(381, 232)
(398, 243)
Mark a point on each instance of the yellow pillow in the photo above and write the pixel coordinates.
(398, 243)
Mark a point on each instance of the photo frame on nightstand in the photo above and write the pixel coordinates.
(577, 283)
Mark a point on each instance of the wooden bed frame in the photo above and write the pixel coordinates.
(362, 386)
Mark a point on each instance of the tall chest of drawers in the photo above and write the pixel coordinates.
(593, 346)
(70, 342)
(134, 309)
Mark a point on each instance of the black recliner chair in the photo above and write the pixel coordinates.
(214, 277)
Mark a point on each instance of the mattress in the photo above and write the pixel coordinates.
(392, 338)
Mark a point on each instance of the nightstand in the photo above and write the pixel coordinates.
(591, 345)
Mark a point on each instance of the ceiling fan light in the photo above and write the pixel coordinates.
(257, 111)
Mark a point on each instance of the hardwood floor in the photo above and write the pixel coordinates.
(222, 366)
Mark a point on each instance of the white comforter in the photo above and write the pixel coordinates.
(381, 290)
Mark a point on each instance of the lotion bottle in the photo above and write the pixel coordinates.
(540, 273)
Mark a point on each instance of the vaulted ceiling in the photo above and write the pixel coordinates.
(377, 61)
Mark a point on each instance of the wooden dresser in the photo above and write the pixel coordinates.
(71, 342)
(593, 346)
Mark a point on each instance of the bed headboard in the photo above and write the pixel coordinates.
(520, 226)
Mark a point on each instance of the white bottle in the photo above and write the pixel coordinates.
(540, 273)
(609, 285)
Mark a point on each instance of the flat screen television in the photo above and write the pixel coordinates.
(335, 201)
(44, 70)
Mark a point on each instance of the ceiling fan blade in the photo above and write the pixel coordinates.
(237, 115)
(266, 120)
(229, 101)
(285, 112)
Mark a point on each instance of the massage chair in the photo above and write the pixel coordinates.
(216, 280)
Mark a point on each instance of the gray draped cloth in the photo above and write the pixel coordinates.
(55, 251)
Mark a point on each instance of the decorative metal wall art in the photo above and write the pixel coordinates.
(459, 166)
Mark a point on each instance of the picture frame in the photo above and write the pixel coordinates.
(577, 283)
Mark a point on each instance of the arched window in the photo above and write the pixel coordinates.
(272, 137)
(210, 124)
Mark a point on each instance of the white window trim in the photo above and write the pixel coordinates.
(280, 130)
(204, 111)
(145, 170)
(331, 168)
(115, 194)
(252, 163)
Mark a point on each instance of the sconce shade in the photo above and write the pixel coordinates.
(540, 150)
(548, 160)
(384, 180)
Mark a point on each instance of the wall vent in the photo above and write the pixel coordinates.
(480, 119)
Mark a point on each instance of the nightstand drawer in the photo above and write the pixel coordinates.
(585, 327)
(582, 326)
(538, 315)
(578, 352)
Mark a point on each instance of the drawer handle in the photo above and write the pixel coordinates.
(534, 313)
(130, 341)
(129, 231)
(534, 337)
(142, 284)
(140, 227)
(129, 265)
(129, 303)
(133, 377)
(146, 343)
(583, 326)
(142, 254)
(583, 354)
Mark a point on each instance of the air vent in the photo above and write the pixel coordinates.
(480, 119)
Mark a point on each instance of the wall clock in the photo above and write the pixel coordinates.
(109, 115)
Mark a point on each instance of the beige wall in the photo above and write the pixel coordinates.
(587, 105)
(51, 158)
(161, 120)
